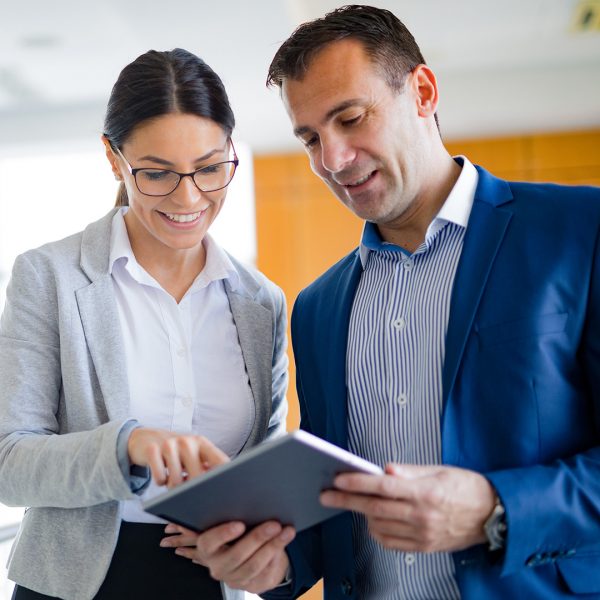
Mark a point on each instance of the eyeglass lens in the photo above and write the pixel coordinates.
(161, 182)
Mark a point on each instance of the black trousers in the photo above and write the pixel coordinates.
(141, 569)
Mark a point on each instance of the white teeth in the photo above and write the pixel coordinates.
(182, 218)
(361, 180)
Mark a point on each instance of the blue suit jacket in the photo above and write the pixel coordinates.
(521, 391)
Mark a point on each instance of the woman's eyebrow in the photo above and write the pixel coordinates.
(166, 163)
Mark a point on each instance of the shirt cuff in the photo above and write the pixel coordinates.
(138, 477)
(287, 579)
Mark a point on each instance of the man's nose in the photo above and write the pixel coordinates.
(336, 154)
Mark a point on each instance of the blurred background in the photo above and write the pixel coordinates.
(520, 95)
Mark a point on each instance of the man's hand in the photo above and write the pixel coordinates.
(255, 562)
(172, 457)
(418, 508)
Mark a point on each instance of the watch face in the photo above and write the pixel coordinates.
(495, 527)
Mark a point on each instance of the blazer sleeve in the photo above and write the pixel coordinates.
(39, 464)
(553, 510)
(279, 371)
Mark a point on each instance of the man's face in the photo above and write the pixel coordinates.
(365, 140)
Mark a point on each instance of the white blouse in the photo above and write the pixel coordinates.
(184, 362)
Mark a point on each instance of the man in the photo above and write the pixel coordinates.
(459, 346)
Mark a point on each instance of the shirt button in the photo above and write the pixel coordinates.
(186, 401)
(410, 559)
(408, 264)
(400, 323)
(402, 399)
(181, 352)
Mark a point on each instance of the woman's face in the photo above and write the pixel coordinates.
(177, 142)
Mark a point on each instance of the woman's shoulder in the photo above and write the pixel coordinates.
(256, 283)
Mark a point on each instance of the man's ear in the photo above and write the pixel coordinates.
(426, 90)
(112, 159)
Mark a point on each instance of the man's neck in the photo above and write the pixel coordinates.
(409, 230)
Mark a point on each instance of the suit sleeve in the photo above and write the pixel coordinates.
(553, 511)
(39, 467)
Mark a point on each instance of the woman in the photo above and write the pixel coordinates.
(125, 348)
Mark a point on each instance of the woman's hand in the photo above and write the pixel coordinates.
(171, 457)
(254, 561)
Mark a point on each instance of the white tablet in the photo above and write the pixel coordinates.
(279, 480)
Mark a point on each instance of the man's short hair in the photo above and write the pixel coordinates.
(386, 40)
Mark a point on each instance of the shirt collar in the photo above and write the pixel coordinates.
(456, 209)
(218, 264)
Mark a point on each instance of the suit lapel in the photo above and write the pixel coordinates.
(485, 232)
(336, 323)
(255, 333)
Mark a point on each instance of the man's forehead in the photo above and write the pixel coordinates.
(329, 87)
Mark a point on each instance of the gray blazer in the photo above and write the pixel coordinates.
(64, 398)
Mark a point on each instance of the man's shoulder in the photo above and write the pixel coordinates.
(556, 190)
(559, 193)
(552, 204)
(541, 202)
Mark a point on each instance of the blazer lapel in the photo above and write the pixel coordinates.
(255, 332)
(485, 232)
(100, 319)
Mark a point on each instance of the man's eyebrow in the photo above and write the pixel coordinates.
(166, 163)
(338, 108)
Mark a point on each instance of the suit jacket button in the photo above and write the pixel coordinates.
(346, 586)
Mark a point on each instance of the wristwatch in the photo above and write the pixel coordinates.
(495, 526)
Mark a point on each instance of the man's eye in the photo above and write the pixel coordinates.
(351, 121)
(310, 142)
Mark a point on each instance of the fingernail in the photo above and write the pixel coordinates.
(287, 535)
(339, 481)
(237, 528)
(170, 528)
(272, 529)
(179, 551)
(165, 543)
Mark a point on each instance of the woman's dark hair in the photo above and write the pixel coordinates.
(385, 38)
(159, 83)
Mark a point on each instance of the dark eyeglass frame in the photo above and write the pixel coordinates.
(235, 162)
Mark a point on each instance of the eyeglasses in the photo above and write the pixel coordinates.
(162, 182)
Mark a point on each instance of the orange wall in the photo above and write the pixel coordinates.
(302, 228)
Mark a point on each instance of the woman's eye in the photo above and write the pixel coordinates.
(211, 169)
(154, 174)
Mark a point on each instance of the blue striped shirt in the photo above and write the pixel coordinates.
(394, 376)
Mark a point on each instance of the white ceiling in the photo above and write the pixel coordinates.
(503, 67)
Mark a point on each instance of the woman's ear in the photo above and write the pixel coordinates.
(112, 159)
